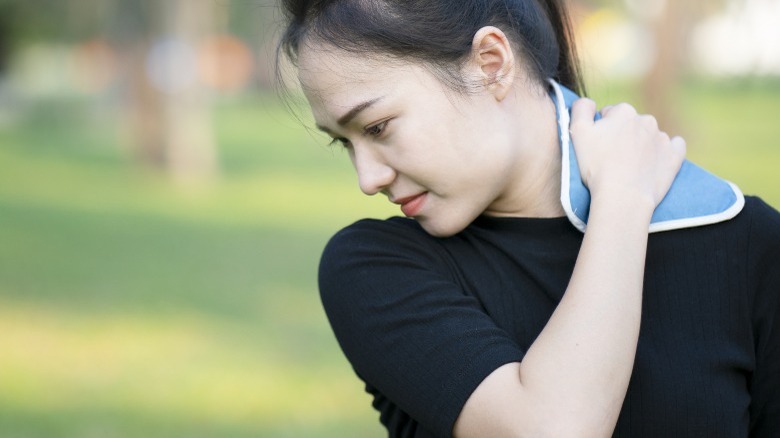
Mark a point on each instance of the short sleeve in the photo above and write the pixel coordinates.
(405, 324)
(764, 265)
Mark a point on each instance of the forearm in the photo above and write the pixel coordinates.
(578, 368)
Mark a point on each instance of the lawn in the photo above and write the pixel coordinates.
(130, 306)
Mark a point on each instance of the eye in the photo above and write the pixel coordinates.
(376, 130)
(340, 140)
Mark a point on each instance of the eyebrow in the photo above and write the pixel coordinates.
(351, 114)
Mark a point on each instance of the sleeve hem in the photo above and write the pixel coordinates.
(466, 381)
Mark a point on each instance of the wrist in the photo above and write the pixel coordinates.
(625, 203)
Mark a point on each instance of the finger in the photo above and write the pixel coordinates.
(649, 121)
(620, 110)
(679, 144)
(604, 111)
(583, 111)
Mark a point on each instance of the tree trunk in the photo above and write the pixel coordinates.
(670, 32)
(189, 135)
(170, 125)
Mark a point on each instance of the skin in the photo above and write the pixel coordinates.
(502, 145)
(496, 152)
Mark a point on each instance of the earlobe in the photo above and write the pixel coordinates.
(493, 56)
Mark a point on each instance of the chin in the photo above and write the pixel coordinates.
(441, 228)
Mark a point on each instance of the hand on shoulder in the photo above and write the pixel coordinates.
(624, 152)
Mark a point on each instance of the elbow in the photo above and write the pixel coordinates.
(569, 425)
(533, 422)
(502, 406)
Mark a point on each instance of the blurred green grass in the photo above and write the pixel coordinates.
(130, 306)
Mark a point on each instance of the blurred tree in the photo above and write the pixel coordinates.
(670, 28)
(670, 23)
(36, 21)
(5, 36)
(191, 153)
(168, 112)
(253, 22)
(670, 32)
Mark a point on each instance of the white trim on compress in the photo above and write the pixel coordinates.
(709, 219)
(563, 127)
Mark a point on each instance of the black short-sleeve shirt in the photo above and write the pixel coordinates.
(423, 320)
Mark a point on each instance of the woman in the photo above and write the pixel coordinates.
(486, 312)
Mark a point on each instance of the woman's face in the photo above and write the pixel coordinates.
(445, 158)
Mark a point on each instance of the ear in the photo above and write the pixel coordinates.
(494, 60)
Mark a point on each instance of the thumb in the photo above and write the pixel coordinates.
(582, 113)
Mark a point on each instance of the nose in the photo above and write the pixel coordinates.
(374, 174)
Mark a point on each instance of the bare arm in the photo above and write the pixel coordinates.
(574, 377)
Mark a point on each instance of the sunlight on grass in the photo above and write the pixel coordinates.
(178, 367)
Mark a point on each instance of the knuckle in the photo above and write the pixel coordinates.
(583, 104)
(649, 121)
(625, 108)
(680, 144)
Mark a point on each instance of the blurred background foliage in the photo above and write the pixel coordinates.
(162, 212)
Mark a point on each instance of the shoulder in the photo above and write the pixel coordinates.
(757, 220)
(364, 259)
(372, 241)
(763, 242)
(763, 217)
(376, 229)
(760, 223)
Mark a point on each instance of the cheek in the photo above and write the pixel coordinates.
(439, 158)
(437, 143)
(439, 134)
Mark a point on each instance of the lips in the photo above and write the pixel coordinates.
(411, 205)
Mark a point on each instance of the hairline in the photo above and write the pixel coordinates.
(449, 74)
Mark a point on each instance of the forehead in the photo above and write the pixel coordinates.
(333, 78)
(316, 60)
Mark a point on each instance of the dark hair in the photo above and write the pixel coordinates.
(438, 33)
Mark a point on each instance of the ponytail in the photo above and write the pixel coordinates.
(569, 71)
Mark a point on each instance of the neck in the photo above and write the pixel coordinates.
(534, 187)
